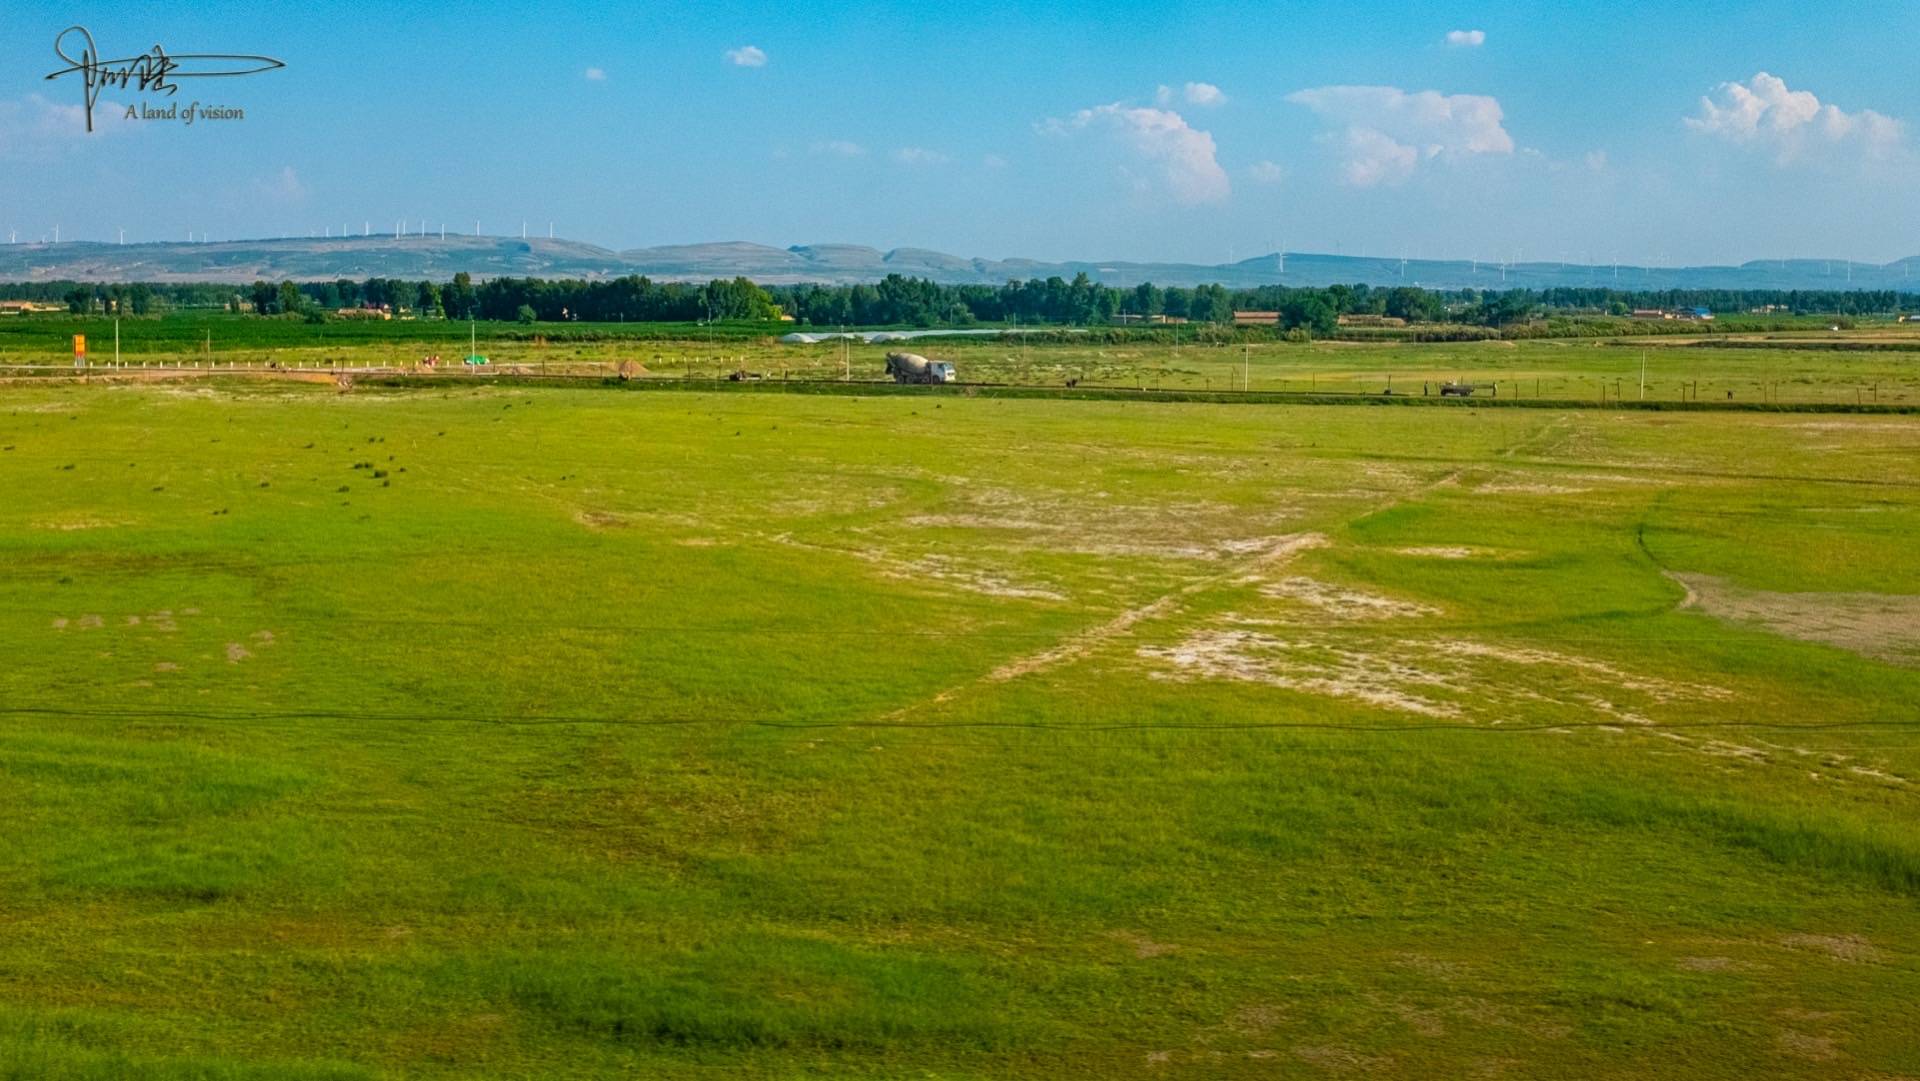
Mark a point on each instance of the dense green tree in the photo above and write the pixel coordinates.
(1147, 300)
(740, 299)
(1413, 305)
(1308, 311)
(460, 299)
(1210, 304)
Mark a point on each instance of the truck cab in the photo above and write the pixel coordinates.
(940, 371)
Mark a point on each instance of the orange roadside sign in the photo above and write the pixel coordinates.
(79, 345)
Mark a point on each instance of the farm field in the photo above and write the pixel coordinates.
(482, 731)
(1879, 364)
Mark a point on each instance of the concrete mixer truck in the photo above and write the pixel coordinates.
(914, 368)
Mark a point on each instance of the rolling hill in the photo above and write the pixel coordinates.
(313, 259)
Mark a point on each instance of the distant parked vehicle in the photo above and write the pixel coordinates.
(914, 368)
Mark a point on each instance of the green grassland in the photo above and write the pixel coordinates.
(474, 731)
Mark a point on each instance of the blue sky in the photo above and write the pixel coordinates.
(1683, 132)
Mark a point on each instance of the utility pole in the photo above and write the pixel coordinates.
(1643, 374)
(1246, 372)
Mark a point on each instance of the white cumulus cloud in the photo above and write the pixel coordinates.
(1389, 131)
(36, 129)
(1183, 156)
(1466, 39)
(1267, 172)
(1372, 158)
(1205, 95)
(1764, 111)
(747, 56)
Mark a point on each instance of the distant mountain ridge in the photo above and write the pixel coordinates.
(414, 257)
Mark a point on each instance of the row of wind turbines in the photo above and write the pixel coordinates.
(1502, 263)
(401, 228)
(404, 227)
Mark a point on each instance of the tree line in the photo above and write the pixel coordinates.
(629, 299)
(902, 301)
